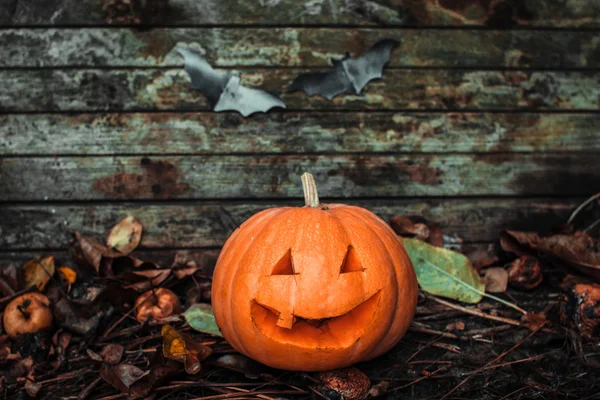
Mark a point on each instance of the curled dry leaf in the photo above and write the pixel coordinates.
(444, 272)
(92, 251)
(347, 383)
(157, 304)
(126, 235)
(183, 348)
(533, 320)
(379, 389)
(32, 388)
(67, 274)
(145, 280)
(519, 243)
(417, 227)
(121, 376)
(495, 280)
(38, 272)
(579, 251)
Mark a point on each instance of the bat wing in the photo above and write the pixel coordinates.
(370, 65)
(245, 100)
(203, 76)
(327, 84)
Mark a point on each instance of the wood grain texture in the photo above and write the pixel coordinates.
(297, 47)
(313, 132)
(203, 225)
(149, 89)
(277, 176)
(503, 13)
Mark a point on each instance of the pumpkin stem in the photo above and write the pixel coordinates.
(311, 197)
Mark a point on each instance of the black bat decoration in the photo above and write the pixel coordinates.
(224, 90)
(347, 74)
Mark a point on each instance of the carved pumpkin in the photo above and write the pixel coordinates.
(313, 288)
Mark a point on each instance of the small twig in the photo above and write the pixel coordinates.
(418, 380)
(581, 207)
(495, 360)
(88, 389)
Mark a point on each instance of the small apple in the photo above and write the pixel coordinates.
(28, 313)
(157, 304)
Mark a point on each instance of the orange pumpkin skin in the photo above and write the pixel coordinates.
(313, 289)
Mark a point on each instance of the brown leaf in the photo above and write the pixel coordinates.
(519, 243)
(347, 383)
(93, 251)
(158, 370)
(5, 350)
(579, 251)
(32, 388)
(75, 317)
(479, 257)
(415, 226)
(8, 281)
(112, 353)
(534, 320)
(495, 280)
(146, 280)
(38, 272)
(126, 235)
(20, 369)
(183, 348)
(121, 376)
(60, 340)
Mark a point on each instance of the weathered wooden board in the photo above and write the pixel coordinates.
(204, 258)
(308, 132)
(203, 225)
(150, 89)
(277, 176)
(503, 13)
(297, 47)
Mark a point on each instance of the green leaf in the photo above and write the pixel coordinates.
(444, 272)
(201, 318)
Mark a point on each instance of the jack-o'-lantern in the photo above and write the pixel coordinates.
(313, 288)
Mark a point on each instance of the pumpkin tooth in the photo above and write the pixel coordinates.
(286, 320)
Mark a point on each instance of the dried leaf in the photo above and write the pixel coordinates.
(112, 353)
(158, 370)
(525, 272)
(121, 376)
(145, 280)
(76, 318)
(579, 251)
(519, 243)
(444, 272)
(495, 280)
(9, 279)
(67, 274)
(126, 235)
(38, 272)
(481, 258)
(184, 348)
(534, 320)
(93, 251)
(415, 226)
(201, 318)
(32, 388)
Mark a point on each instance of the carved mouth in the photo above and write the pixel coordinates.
(337, 332)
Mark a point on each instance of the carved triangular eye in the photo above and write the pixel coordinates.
(285, 266)
(351, 262)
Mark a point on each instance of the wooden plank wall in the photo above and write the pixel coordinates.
(487, 117)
